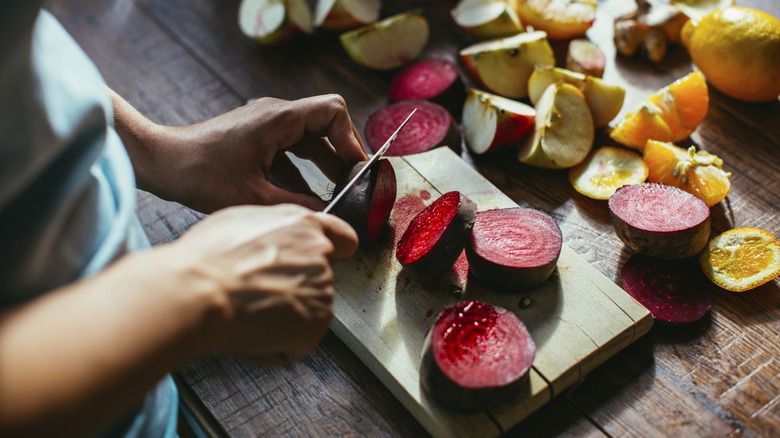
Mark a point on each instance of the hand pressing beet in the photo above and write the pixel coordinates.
(476, 356)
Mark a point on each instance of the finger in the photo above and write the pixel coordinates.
(329, 116)
(341, 234)
(273, 195)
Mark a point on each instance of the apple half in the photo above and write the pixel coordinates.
(486, 19)
(604, 100)
(503, 66)
(342, 15)
(561, 19)
(274, 21)
(388, 43)
(492, 123)
(563, 129)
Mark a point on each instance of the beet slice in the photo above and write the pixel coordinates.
(436, 236)
(368, 204)
(476, 356)
(514, 249)
(660, 221)
(436, 80)
(674, 291)
(430, 127)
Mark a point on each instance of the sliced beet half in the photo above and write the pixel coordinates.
(660, 221)
(436, 236)
(368, 204)
(436, 80)
(514, 249)
(430, 127)
(475, 357)
(674, 291)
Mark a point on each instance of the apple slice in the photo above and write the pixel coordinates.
(486, 19)
(584, 56)
(563, 132)
(503, 66)
(604, 100)
(341, 15)
(274, 21)
(492, 123)
(561, 19)
(388, 43)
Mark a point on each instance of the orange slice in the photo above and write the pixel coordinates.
(699, 173)
(741, 259)
(607, 169)
(670, 114)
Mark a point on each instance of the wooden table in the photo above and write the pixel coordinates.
(183, 61)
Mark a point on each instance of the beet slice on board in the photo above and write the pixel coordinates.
(674, 291)
(430, 127)
(660, 221)
(476, 356)
(436, 80)
(436, 236)
(513, 249)
(368, 204)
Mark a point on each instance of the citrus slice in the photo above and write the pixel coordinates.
(741, 259)
(670, 114)
(699, 173)
(607, 169)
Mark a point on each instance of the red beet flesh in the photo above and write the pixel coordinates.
(476, 356)
(431, 126)
(368, 204)
(436, 80)
(660, 221)
(513, 249)
(436, 236)
(674, 291)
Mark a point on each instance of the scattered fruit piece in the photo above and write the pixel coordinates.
(274, 21)
(388, 43)
(431, 79)
(584, 56)
(432, 126)
(563, 129)
(341, 15)
(513, 249)
(697, 172)
(561, 19)
(607, 169)
(671, 114)
(696, 9)
(741, 259)
(486, 19)
(651, 27)
(492, 123)
(659, 220)
(475, 357)
(674, 291)
(503, 66)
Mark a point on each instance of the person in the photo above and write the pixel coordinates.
(93, 320)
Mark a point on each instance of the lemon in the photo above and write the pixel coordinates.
(738, 50)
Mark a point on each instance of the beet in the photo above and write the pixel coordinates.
(475, 357)
(513, 249)
(430, 79)
(368, 204)
(674, 291)
(436, 236)
(660, 221)
(432, 126)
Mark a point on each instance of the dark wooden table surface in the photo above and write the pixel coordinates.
(183, 61)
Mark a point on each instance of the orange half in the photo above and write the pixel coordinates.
(741, 259)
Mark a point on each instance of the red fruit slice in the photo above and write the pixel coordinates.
(513, 249)
(674, 291)
(476, 356)
(431, 79)
(431, 126)
(659, 220)
(436, 236)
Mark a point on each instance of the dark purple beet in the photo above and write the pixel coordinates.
(475, 357)
(513, 249)
(674, 291)
(430, 127)
(436, 80)
(660, 221)
(368, 204)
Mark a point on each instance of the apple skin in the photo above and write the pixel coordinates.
(411, 32)
(511, 120)
(339, 18)
(297, 20)
(537, 14)
(504, 23)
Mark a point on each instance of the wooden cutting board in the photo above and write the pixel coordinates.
(577, 319)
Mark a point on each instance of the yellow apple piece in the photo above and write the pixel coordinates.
(342, 15)
(388, 43)
(492, 123)
(274, 21)
(584, 56)
(486, 19)
(561, 19)
(563, 129)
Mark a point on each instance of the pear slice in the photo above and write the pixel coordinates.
(492, 123)
(486, 19)
(274, 21)
(388, 43)
(503, 66)
(563, 131)
(342, 15)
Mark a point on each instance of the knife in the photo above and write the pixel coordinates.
(370, 162)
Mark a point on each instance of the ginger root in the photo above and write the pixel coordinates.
(649, 29)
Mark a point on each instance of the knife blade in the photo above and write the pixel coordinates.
(368, 165)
